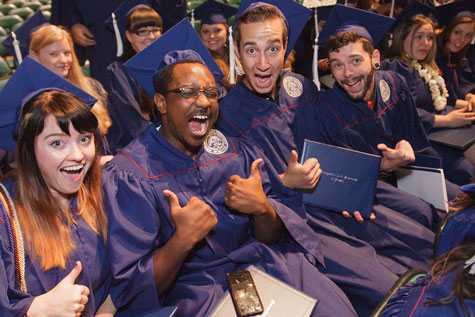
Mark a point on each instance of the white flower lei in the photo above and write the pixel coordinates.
(434, 81)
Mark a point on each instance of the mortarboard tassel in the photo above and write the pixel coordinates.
(193, 18)
(391, 13)
(16, 46)
(120, 48)
(232, 58)
(316, 80)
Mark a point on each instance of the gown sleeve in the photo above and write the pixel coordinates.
(133, 227)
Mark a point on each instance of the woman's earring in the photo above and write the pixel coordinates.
(376, 66)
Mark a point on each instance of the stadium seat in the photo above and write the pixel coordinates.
(5, 8)
(34, 5)
(17, 3)
(407, 277)
(45, 7)
(22, 12)
(8, 21)
(4, 67)
(3, 32)
(3, 49)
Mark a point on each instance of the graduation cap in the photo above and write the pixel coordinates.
(469, 190)
(371, 26)
(415, 8)
(447, 12)
(345, 2)
(213, 12)
(118, 19)
(30, 79)
(181, 37)
(18, 42)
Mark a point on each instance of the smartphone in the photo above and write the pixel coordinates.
(244, 293)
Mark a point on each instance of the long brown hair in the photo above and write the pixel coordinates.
(444, 37)
(49, 34)
(47, 235)
(464, 282)
(407, 28)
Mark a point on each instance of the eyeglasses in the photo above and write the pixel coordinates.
(192, 92)
(146, 32)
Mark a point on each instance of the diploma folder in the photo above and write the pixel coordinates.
(278, 298)
(457, 138)
(348, 180)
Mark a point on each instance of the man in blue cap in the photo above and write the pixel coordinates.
(276, 109)
(188, 204)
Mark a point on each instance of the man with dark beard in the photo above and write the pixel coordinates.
(368, 110)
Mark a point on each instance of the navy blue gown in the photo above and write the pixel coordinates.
(125, 97)
(140, 224)
(279, 128)
(456, 167)
(90, 250)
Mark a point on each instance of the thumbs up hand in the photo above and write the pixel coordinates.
(304, 176)
(247, 195)
(65, 299)
(193, 221)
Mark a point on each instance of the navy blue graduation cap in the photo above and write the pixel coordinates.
(324, 12)
(30, 79)
(469, 190)
(447, 12)
(118, 20)
(371, 26)
(22, 35)
(294, 14)
(415, 8)
(213, 12)
(181, 37)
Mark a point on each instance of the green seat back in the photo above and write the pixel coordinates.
(45, 7)
(5, 8)
(47, 15)
(3, 49)
(22, 12)
(17, 3)
(85, 69)
(4, 67)
(16, 26)
(8, 21)
(33, 5)
(3, 82)
(3, 32)
(194, 4)
(45, 1)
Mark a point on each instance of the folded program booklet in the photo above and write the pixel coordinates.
(278, 298)
(348, 180)
(458, 138)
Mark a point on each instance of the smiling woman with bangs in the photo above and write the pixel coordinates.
(52, 223)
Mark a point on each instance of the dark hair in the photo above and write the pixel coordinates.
(344, 38)
(139, 18)
(444, 37)
(41, 223)
(166, 76)
(259, 14)
(464, 282)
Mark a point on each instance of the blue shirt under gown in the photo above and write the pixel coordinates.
(89, 249)
(140, 224)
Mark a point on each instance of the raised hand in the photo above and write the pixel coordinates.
(459, 117)
(246, 194)
(65, 299)
(298, 175)
(193, 221)
(401, 155)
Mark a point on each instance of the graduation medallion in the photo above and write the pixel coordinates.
(293, 87)
(215, 142)
(384, 90)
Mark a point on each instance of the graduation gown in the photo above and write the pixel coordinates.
(459, 80)
(124, 106)
(140, 225)
(457, 168)
(280, 128)
(90, 250)
(459, 229)
(409, 300)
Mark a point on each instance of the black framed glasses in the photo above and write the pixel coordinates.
(192, 92)
(146, 32)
